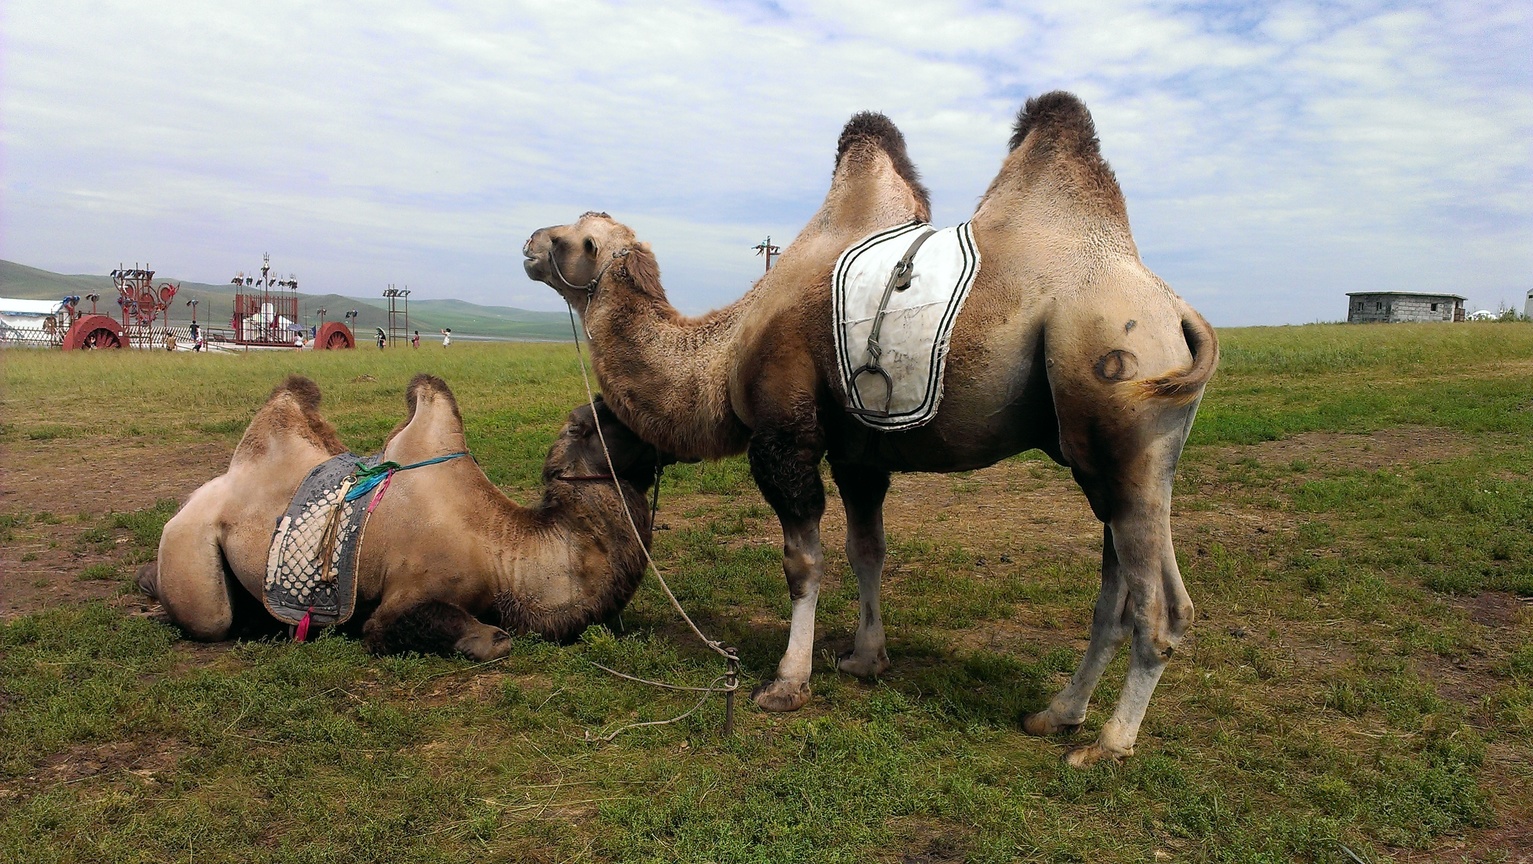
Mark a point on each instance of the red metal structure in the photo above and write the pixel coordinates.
(334, 335)
(94, 331)
(267, 314)
(142, 303)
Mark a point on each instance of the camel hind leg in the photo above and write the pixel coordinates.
(190, 578)
(1111, 625)
(1159, 607)
(1127, 478)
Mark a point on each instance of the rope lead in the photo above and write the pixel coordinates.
(731, 677)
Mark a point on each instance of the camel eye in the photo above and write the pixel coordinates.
(590, 246)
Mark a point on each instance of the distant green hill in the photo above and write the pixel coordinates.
(216, 303)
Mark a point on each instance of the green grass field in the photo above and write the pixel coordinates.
(1354, 519)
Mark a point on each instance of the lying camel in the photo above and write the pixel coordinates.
(445, 550)
(1067, 343)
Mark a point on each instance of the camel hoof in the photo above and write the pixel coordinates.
(781, 696)
(1088, 755)
(1040, 723)
(483, 647)
(863, 667)
(149, 579)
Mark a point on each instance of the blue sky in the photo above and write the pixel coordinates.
(1274, 156)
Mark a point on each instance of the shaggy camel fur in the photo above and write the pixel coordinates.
(1067, 344)
(445, 550)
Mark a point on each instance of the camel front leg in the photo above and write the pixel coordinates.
(862, 493)
(433, 627)
(189, 577)
(786, 468)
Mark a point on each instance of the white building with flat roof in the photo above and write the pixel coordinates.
(1370, 307)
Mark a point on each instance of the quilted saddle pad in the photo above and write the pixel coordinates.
(312, 564)
(917, 321)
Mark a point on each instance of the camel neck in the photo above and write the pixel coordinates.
(666, 375)
(570, 545)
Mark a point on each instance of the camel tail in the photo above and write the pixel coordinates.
(149, 579)
(1185, 386)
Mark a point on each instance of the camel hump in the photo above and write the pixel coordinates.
(423, 384)
(1062, 147)
(870, 128)
(292, 410)
(1056, 117)
(303, 390)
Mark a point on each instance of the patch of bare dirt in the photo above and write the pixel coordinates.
(144, 758)
(61, 488)
(1010, 636)
(1509, 842)
(1381, 449)
(1495, 609)
(1463, 682)
(922, 840)
(1005, 503)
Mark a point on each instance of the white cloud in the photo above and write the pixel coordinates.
(1291, 152)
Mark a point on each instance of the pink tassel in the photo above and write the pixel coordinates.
(382, 488)
(302, 633)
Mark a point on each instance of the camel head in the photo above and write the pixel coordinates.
(572, 259)
(577, 452)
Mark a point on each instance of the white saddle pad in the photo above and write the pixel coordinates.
(917, 323)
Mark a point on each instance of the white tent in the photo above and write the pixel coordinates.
(23, 320)
(30, 308)
(261, 325)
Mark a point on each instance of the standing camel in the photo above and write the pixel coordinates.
(444, 553)
(1067, 343)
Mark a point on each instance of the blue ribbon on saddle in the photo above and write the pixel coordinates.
(369, 476)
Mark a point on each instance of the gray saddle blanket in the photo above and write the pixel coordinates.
(917, 321)
(312, 564)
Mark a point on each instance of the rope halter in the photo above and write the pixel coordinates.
(589, 287)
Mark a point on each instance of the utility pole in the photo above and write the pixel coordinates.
(766, 248)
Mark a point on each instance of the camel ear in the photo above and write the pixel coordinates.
(644, 270)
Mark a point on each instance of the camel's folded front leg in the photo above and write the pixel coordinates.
(786, 468)
(433, 627)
